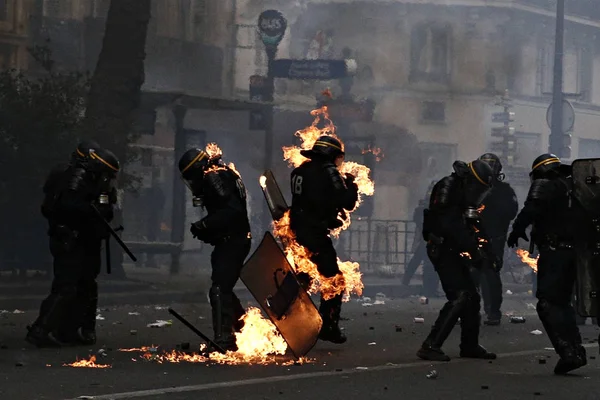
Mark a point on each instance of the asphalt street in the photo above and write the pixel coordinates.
(377, 362)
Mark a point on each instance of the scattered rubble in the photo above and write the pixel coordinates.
(536, 332)
(418, 320)
(517, 320)
(100, 318)
(423, 300)
(160, 324)
(134, 313)
(372, 344)
(432, 374)
(509, 292)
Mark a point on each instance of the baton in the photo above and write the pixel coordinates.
(114, 234)
(196, 331)
(107, 248)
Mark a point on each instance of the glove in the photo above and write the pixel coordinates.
(349, 181)
(199, 231)
(513, 238)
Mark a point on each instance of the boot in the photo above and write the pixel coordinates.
(431, 349)
(571, 358)
(87, 335)
(222, 316)
(43, 331)
(330, 312)
(469, 333)
(238, 313)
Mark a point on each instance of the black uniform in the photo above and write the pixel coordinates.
(454, 249)
(319, 195)
(430, 278)
(222, 193)
(501, 208)
(68, 314)
(548, 209)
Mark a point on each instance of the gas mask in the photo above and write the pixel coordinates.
(196, 190)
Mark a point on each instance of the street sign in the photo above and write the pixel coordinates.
(271, 27)
(313, 69)
(503, 117)
(568, 116)
(502, 131)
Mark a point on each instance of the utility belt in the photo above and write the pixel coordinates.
(227, 238)
(552, 242)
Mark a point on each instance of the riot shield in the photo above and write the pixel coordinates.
(269, 277)
(586, 191)
(275, 200)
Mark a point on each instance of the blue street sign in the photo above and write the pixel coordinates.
(312, 69)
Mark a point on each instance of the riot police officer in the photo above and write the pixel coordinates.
(220, 190)
(320, 196)
(500, 209)
(76, 199)
(453, 248)
(548, 209)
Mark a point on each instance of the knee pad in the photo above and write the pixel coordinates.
(462, 298)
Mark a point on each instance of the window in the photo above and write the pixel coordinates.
(574, 70)
(433, 111)
(198, 17)
(589, 148)
(430, 58)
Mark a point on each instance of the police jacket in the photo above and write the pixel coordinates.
(224, 197)
(319, 194)
(444, 222)
(69, 193)
(547, 208)
(501, 207)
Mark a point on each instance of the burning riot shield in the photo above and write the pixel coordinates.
(269, 277)
(586, 190)
(275, 200)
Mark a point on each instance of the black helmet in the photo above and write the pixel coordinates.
(82, 152)
(192, 162)
(493, 161)
(325, 146)
(545, 166)
(104, 162)
(477, 177)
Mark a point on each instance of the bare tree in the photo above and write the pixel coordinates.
(115, 85)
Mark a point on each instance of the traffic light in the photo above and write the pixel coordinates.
(507, 148)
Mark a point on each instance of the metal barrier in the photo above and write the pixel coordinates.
(380, 246)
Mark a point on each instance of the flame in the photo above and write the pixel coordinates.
(213, 150)
(376, 151)
(91, 363)
(140, 349)
(531, 262)
(350, 279)
(258, 343)
(480, 209)
(465, 254)
(263, 181)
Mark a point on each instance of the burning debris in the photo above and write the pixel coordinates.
(531, 262)
(376, 151)
(258, 343)
(350, 281)
(91, 363)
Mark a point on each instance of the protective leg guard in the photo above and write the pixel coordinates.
(330, 312)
